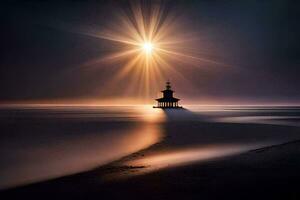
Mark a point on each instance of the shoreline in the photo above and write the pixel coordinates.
(196, 156)
(235, 170)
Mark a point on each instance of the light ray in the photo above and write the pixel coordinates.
(189, 56)
(150, 40)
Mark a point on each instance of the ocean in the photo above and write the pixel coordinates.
(39, 142)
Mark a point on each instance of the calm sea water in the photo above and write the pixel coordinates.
(42, 142)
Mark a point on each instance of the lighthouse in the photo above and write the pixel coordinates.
(167, 101)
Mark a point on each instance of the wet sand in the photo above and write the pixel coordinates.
(201, 155)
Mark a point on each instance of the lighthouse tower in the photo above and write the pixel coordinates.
(167, 101)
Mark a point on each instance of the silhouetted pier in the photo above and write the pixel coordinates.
(167, 101)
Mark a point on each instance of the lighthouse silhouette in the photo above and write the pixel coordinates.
(167, 101)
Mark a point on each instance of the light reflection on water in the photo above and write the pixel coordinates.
(38, 143)
(276, 115)
(198, 127)
(272, 120)
(173, 158)
(42, 143)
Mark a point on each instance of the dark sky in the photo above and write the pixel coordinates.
(259, 40)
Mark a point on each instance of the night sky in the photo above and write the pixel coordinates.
(42, 52)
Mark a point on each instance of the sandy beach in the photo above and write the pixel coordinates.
(192, 153)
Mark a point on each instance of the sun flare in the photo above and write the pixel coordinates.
(148, 47)
(152, 45)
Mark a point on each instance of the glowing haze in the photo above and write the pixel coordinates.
(149, 41)
(213, 52)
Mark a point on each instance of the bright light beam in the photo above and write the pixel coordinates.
(150, 43)
(148, 47)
